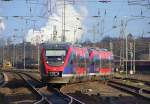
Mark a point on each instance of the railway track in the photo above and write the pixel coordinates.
(135, 80)
(47, 94)
(34, 89)
(1, 78)
(60, 98)
(139, 92)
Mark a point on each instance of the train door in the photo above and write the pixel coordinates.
(105, 66)
(72, 65)
(87, 63)
(69, 68)
(111, 63)
(97, 64)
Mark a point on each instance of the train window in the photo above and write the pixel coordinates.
(55, 57)
(83, 62)
(96, 61)
(72, 58)
(87, 61)
(55, 52)
(111, 63)
(105, 63)
(75, 59)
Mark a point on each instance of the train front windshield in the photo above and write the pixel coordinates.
(55, 57)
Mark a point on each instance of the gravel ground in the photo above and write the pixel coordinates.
(99, 93)
(15, 92)
(16, 96)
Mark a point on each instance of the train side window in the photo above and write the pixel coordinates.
(71, 62)
(71, 59)
(87, 62)
(92, 62)
(111, 63)
(83, 62)
(96, 61)
(105, 63)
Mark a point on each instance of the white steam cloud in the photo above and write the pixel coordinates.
(73, 26)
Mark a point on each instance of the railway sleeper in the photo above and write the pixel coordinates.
(129, 90)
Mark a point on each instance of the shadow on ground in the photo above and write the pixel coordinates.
(100, 99)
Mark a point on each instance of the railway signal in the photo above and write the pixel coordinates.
(131, 57)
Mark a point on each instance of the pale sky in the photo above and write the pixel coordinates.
(84, 18)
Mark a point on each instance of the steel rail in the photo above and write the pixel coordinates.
(47, 98)
(2, 78)
(42, 98)
(138, 80)
(72, 99)
(66, 97)
(135, 80)
(130, 89)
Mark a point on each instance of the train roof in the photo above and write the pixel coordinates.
(60, 45)
(56, 45)
(102, 53)
(98, 49)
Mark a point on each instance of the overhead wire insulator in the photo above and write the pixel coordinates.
(99, 12)
(141, 12)
(105, 12)
(115, 22)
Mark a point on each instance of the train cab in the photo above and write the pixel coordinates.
(53, 60)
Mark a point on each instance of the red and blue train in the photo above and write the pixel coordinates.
(66, 63)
